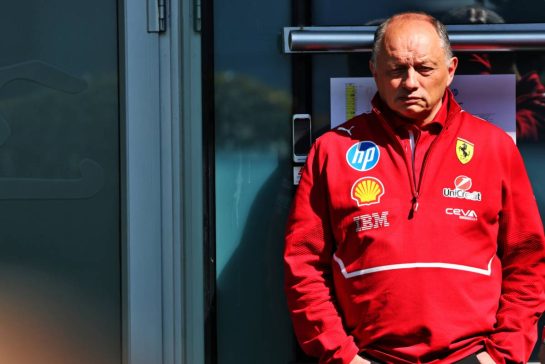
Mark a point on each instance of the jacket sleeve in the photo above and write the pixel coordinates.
(308, 278)
(521, 251)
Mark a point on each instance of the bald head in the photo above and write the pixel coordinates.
(414, 18)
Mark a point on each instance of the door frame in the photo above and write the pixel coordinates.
(162, 220)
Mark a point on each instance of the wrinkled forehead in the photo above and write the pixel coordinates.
(415, 37)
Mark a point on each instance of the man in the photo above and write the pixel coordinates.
(414, 236)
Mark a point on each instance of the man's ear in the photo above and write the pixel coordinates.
(372, 67)
(451, 69)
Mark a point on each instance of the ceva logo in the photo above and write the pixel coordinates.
(363, 156)
(462, 214)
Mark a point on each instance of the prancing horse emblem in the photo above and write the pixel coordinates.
(464, 150)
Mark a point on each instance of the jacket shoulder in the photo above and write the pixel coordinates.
(348, 130)
(485, 129)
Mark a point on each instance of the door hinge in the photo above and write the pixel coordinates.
(157, 16)
(197, 15)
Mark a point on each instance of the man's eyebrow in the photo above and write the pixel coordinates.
(427, 60)
(396, 63)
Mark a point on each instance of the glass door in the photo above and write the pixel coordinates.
(60, 285)
(252, 104)
(256, 90)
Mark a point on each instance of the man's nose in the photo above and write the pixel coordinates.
(411, 81)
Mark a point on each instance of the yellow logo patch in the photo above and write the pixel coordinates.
(367, 191)
(464, 150)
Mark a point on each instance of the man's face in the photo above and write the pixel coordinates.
(412, 71)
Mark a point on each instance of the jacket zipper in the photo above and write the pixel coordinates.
(432, 145)
(426, 156)
(408, 164)
(415, 187)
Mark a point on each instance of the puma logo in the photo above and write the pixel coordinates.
(349, 131)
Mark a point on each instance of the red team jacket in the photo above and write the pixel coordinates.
(415, 270)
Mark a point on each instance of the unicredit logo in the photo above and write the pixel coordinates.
(462, 184)
(462, 214)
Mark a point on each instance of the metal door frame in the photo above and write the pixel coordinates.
(161, 185)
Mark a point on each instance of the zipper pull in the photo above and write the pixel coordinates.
(414, 206)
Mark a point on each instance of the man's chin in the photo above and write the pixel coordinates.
(412, 114)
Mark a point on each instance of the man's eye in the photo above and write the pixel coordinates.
(397, 71)
(424, 70)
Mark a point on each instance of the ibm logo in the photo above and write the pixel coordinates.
(371, 221)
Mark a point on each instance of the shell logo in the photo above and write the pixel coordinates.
(367, 191)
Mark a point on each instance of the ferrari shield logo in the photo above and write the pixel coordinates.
(464, 150)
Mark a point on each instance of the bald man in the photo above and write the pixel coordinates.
(414, 235)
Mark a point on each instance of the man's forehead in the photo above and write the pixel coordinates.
(412, 30)
(408, 59)
(404, 55)
(401, 42)
(412, 33)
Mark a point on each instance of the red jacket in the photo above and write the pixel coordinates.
(415, 270)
